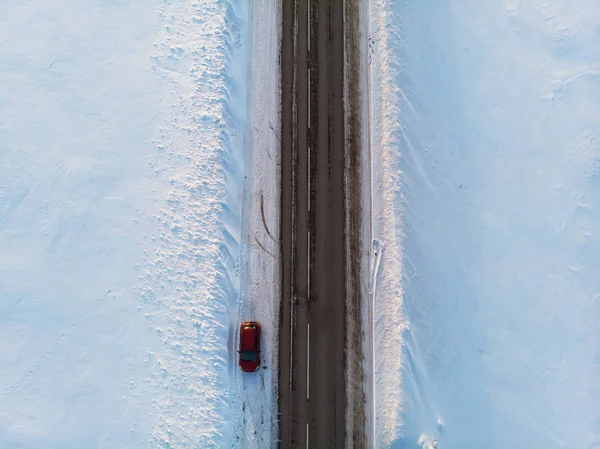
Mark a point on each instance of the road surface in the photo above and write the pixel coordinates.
(320, 217)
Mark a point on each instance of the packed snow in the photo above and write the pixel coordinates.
(123, 153)
(486, 171)
(255, 395)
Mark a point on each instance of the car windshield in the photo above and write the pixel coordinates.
(248, 356)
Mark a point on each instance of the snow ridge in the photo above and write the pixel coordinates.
(191, 281)
(387, 205)
(483, 118)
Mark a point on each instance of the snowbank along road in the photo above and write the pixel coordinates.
(321, 389)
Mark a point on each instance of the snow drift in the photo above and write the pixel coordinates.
(122, 159)
(486, 158)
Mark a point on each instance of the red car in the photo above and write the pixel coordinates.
(249, 346)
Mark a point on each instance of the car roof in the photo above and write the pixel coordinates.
(248, 336)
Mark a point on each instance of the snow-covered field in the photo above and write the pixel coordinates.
(486, 155)
(123, 148)
(138, 142)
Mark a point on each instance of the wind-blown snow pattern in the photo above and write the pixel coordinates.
(122, 158)
(485, 147)
(386, 290)
(191, 277)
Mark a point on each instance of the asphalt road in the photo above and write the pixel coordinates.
(320, 217)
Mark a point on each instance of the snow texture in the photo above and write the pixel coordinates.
(386, 290)
(486, 171)
(123, 147)
(256, 422)
(369, 264)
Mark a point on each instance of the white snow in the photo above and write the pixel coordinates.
(122, 153)
(486, 165)
(386, 291)
(256, 422)
(369, 262)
